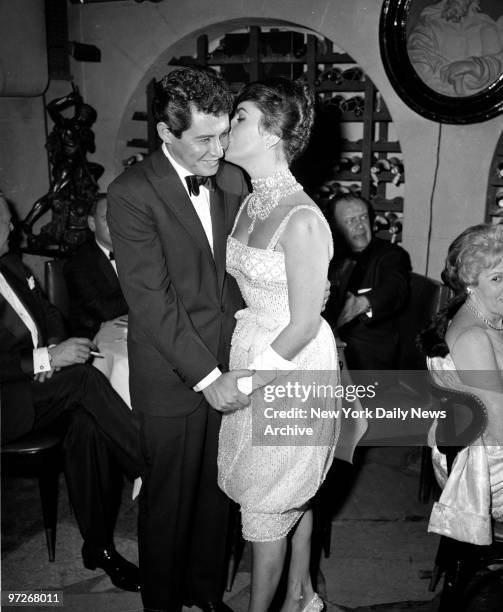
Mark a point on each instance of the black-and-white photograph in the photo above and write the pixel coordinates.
(251, 305)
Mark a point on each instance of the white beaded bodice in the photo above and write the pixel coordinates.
(261, 273)
(261, 277)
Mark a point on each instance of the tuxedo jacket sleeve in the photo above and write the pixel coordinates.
(16, 346)
(172, 283)
(94, 290)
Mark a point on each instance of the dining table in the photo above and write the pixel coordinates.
(112, 360)
(111, 341)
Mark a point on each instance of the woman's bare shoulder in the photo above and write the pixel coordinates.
(467, 335)
(304, 216)
(471, 347)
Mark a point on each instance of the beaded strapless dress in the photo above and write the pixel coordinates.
(272, 484)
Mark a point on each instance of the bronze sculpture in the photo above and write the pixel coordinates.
(74, 179)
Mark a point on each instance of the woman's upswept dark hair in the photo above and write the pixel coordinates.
(190, 88)
(288, 111)
(478, 248)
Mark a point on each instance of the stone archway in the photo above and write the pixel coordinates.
(352, 119)
(130, 129)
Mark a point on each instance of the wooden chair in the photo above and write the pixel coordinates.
(39, 455)
(55, 286)
(467, 568)
(427, 297)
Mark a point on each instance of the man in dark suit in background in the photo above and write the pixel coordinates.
(169, 217)
(91, 278)
(370, 286)
(45, 383)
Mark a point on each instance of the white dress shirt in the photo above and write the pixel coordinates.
(41, 361)
(201, 205)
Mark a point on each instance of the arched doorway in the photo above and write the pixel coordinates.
(354, 146)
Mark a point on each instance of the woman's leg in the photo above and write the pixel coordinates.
(300, 589)
(267, 566)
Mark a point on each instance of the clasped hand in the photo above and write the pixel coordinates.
(66, 353)
(224, 395)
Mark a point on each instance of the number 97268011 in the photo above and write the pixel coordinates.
(32, 598)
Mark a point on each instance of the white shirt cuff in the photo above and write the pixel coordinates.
(41, 361)
(207, 380)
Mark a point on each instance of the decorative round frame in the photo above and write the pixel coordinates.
(414, 91)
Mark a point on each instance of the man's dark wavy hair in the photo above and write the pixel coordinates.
(186, 89)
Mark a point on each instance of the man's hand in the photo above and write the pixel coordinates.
(353, 307)
(224, 395)
(70, 352)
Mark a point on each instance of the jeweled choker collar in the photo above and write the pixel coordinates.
(267, 192)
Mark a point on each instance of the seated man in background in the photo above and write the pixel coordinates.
(91, 278)
(370, 287)
(45, 383)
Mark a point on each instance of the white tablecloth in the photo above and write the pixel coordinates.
(111, 341)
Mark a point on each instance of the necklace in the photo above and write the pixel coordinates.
(267, 192)
(477, 312)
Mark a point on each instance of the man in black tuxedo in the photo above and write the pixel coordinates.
(370, 286)
(46, 383)
(169, 217)
(91, 278)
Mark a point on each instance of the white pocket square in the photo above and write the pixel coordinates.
(31, 282)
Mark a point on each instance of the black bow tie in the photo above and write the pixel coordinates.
(111, 256)
(194, 181)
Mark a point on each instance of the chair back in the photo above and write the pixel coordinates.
(465, 420)
(38, 454)
(427, 297)
(55, 285)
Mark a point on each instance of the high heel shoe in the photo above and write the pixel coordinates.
(315, 605)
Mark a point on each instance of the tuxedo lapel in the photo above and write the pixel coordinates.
(219, 223)
(105, 265)
(340, 275)
(171, 191)
(363, 275)
(346, 270)
(10, 319)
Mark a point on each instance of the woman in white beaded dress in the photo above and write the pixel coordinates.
(464, 344)
(279, 252)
